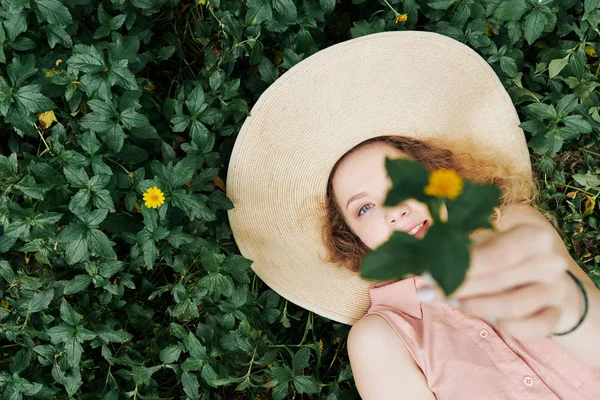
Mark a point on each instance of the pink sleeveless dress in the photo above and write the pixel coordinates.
(464, 358)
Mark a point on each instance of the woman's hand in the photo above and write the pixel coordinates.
(517, 281)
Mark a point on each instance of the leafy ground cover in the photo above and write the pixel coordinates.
(107, 293)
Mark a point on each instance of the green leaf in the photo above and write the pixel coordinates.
(385, 262)
(6, 96)
(86, 59)
(61, 333)
(57, 35)
(567, 104)
(509, 66)
(184, 170)
(194, 205)
(577, 61)
(15, 25)
(287, 9)
(76, 176)
(534, 24)
(6, 271)
(77, 250)
(108, 334)
(120, 75)
(258, 11)
(132, 119)
(441, 4)
(447, 256)
(30, 100)
(300, 359)
(543, 111)
(142, 375)
(40, 301)
(170, 354)
(54, 12)
(190, 385)
(470, 211)
(587, 180)
(557, 65)
(80, 201)
(100, 244)
(195, 101)
(20, 69)
(577, 124)
(73, 352)
(194, 347)
(409, 179)
(590, 5)
(68, 314)
(306, 384)
(511, 10)
(114, 138)
(77, 284)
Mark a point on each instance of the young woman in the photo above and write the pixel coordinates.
(402, 348)
(307, 180)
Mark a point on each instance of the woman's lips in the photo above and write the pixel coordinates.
(421, 232)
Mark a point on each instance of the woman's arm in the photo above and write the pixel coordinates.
(382, 366)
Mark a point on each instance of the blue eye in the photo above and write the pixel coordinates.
(362, 208)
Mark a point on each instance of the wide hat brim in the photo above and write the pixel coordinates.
(417, 84)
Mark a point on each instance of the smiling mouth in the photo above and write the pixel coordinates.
(417, 228)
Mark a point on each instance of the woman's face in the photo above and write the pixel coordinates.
(360, 185)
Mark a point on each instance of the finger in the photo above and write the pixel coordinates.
(546, 268)
(537, 325)
(517, 303)
(504, 248)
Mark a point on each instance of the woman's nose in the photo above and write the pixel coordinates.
(395, 214)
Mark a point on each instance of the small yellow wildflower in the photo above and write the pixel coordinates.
(4, 304)
(590, 51)
(154, 197)
(47, 118)
(444, 183)
(321, 344)
(488, 31)
(401, 18)
(202, 2)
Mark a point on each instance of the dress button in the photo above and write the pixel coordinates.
(528, 381)
(483, 333)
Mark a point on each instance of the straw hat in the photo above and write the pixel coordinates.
(410, 83)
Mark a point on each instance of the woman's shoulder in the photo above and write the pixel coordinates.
(381, 363)
(518, 213)
(373, 334)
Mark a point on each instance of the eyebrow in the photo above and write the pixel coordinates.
(355, 197)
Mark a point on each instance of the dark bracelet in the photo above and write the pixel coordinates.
(578, 282)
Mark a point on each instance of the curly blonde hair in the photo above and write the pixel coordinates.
(346, 249)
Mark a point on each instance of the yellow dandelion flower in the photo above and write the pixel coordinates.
(202, 2)
(401, 18)
(46, 119)
(444, 183)
(321, 344)
(154, 197)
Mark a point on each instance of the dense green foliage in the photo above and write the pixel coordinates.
(103, 297)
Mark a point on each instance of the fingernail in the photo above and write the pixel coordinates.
(427, 278)
(454, 303)
(426, 295)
